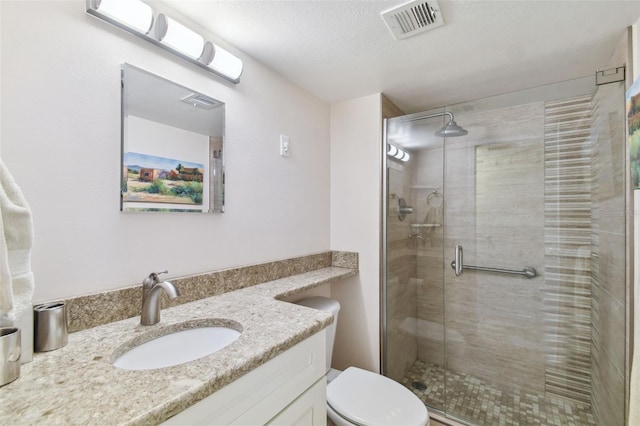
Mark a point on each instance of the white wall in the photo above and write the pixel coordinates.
(356, 138)
(0, 79)
(61, 140)
(635, 49)
(158, 139)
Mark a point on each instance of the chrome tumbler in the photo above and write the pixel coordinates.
(50, 325)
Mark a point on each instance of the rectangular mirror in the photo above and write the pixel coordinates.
(172, 146)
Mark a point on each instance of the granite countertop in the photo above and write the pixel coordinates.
(78, 385)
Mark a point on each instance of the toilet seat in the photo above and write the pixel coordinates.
(369, 399)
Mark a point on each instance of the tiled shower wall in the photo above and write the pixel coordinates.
(608, 256)
(585, 288)
(494, 209)
(584, 293)
(608, 262)
(401, 278)
(427, 184)
(567, 229)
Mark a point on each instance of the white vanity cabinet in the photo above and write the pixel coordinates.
(287, 390)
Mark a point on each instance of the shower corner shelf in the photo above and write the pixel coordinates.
(425, 225)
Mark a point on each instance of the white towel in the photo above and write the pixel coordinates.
(16, 278)
(7, 314)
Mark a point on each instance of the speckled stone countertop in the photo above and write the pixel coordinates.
(78, 385)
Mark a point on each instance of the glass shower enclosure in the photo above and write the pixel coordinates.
(504, 290)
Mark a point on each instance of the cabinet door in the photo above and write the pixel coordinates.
(310, 409)
(258, 396)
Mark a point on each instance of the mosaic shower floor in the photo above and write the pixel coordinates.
(476, 401)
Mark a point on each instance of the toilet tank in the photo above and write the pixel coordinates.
(327, 305)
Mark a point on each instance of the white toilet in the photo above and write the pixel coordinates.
(360, 397)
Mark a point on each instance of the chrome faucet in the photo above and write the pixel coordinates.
(151, 287)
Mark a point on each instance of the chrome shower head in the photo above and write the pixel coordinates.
(452, 130)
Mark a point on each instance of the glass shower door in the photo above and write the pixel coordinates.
(414, 350)
(538, 183)
(494, 178)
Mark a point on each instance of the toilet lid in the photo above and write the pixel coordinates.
(369, 399)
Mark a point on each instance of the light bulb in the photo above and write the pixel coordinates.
(183, 39)
(133, 13)
(226, 63)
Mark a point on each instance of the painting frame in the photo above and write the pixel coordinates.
(632, 104)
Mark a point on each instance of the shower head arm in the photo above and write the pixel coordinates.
(438, 114)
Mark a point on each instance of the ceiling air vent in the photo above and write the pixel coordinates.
(412, 18)
(201, 101)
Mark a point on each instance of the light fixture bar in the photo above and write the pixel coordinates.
(138, 18)
(397, 153)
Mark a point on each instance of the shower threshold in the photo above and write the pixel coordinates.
(478, 402)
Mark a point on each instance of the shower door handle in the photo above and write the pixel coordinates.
(457, 263)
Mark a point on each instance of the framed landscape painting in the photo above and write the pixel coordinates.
(153, 179)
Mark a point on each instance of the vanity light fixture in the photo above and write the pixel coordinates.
(140, 19)
(397, 153)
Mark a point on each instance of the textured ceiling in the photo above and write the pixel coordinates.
(340, 50)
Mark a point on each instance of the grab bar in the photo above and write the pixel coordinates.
(457, 263)
(458, 267)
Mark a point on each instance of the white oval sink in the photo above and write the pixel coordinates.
(177, 348)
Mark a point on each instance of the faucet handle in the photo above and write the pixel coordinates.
(153, 279)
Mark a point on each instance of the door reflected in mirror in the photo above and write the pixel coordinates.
(172, 146)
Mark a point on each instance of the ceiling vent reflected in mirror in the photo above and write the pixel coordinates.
(201, 101)
(413, 18)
